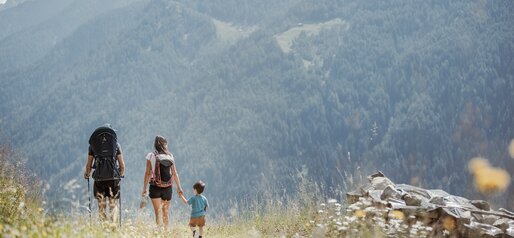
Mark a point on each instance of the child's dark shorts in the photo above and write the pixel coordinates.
(162, 193)
(197, 221)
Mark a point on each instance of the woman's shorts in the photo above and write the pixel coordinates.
(162, 193)
(197, 221)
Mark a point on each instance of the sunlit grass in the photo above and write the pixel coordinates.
(306, 215)
(282, 222)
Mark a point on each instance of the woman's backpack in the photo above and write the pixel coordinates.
(161, 175)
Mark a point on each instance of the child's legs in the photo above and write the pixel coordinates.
(192, 225)
(201, 224)
(200, 230)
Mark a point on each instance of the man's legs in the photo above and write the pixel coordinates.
(107, 190)
(99, 188)
(112, 209)
(101, 206)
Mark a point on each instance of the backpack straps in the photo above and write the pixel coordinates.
(155, 167)
(153, 159)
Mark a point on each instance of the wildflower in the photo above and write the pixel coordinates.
(492, 180)
(397, 215)
(360, 214)
(449, 223)
(488, 179)
(477, 164)
(331, 201)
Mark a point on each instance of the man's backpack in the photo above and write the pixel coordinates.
(104, 144)
(161, 170)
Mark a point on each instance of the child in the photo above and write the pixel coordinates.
(199, 205)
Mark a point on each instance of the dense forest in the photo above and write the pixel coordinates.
(254, 96)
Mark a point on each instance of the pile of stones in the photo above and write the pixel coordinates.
(432, 213)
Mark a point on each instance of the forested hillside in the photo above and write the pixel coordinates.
(256, 95)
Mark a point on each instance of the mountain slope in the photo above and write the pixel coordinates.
(29, 45)
(414, 89)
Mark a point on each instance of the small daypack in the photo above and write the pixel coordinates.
(161, 175)
(104, 144)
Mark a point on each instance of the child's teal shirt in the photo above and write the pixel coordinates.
(199, 204)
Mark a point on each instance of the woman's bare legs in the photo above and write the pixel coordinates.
(165, 213)
(156, 202)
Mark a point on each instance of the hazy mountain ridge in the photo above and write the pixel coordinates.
(25, 14)
(31, 44)
(432, 79)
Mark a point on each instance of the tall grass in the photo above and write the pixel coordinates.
(22, 214)
(20, 204)
(299, 214)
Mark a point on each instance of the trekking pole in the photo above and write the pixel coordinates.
(89, 205)
(119, 198)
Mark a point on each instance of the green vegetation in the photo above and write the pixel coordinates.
(412, 88)
(20, 205)
(22, 216)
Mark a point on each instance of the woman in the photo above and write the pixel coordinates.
(160, 174)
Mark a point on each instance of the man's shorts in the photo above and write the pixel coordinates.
(162, 193)
(197, 221)
(107, 189)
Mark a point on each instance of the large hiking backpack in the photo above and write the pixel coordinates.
(161, 170)
(104, 144)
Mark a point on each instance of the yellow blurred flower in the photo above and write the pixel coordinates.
(397, 215)
(492, 180)
(488, 179)
(360, 213)
(449, 223)
(476, 164)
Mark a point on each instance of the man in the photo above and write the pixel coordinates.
(109, 167)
